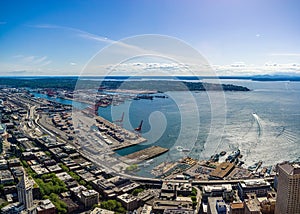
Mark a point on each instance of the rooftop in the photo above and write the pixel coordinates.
(45, 205)
(252, 205)
(239, 205)
(211, 188)
(254, 183)
(290, 168)
(98, 210)
(127, 198)
(88, 193)
(222, 170)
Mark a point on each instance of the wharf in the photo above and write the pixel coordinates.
(116, 136)
(145, 154)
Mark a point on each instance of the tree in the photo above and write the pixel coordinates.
(137, 191)
(82, 182)
(194, 192)
(65, 168)
(113, 205)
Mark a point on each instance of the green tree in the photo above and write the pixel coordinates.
(65, 168)
(137, 191)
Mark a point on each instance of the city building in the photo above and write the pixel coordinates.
(236, 208)
(130, 202)
(147, 209)
(89, 198)
(6, 177)
(288, 190)
(216, 191)
(98, 210)
(170, 190)
(216, 205)
(159, 206)
(14, 208)
(2, 128)
(252, 205)
(45, 207)
(24, 188)
(222, 170)
(112, 187)
(259, 186)
(3, 164)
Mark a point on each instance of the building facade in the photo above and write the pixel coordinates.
(259, 186)
(288, 190)
(24, 188)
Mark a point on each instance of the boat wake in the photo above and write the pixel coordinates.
(259, 125)
(287, 135)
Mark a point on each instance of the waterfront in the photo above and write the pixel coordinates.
(272, 136)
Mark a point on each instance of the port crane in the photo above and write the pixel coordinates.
(139, 128)
(120, 121)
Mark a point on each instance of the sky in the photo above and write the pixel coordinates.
(236, 37)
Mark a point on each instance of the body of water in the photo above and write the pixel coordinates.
(263, 123)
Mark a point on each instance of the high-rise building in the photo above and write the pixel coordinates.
(288, 190)
(24, 188)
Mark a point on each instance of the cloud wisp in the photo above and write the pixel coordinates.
(285, 54)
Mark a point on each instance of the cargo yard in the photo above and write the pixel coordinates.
(115, 136)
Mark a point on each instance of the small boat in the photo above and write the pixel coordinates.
(215, 158)
(181, 149)
(222, 153)
(149, 161)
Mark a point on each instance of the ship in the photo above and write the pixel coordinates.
(233, 155)
(215, 158)
(255, 166)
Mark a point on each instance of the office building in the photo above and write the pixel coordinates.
(259, 186)
(24, 188)
(288, 190)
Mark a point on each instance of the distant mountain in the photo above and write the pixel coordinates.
(279, 77)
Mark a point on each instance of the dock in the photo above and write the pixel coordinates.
(117, 137)
(145, 154)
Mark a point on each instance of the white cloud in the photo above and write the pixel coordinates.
(73, 63)
(267, 68)
(34, 60)
(26, 65)
(285, 54)
(79, 32)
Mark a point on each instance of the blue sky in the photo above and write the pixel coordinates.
(235, 36)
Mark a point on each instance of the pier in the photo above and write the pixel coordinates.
(145, 154)
(115, 136)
